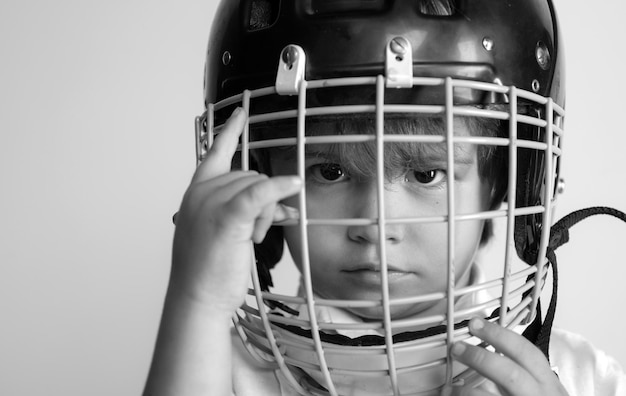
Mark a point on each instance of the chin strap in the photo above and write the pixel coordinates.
(538, 332)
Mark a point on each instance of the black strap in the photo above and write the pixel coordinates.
(538, 332)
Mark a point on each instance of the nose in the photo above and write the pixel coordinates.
(366, 206)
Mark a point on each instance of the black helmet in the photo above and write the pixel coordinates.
(511, 43)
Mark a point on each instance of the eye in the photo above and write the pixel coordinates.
(429, 177)
(327, 173)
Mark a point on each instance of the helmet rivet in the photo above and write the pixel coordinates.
(290, 56)
(226, 58)
(398, 46)
(542, 54)
(488, 43)
(535, 86)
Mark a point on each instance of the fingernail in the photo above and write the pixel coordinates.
(458, 348)
(295, 180)
(476, 324)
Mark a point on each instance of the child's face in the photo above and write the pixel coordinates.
(344, 259)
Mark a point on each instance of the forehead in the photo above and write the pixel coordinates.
(365, 124)
(393, 124)
(400, 151)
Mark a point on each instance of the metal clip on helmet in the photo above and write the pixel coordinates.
(290, 62)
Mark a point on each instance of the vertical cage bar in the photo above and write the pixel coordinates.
(511, 195)
(547, 202)
(449, 115)
(303, 224)
(268, 328)
(199, 136)
(245, 136)
(204, 133)
(245, 165)
(382, 237)
(210, 124)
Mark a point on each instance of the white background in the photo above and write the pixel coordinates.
(97, 101)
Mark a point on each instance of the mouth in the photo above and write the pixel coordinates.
(373, 274)
(373, 267)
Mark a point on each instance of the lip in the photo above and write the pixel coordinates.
(373, 267)
(371, 274)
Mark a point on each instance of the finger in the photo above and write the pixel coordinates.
(275, 214)
(263, 223)
(285, 215)
(260, 199)
(220, 189)
(513, 345)
(223, 181)
(224, 146)
(253, 200)
(498, 368)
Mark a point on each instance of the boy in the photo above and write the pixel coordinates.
(398, 180)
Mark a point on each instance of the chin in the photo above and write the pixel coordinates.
(398, 313)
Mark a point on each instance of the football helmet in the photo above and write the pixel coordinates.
(295, 65)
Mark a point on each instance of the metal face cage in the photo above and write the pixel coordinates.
(391, 356)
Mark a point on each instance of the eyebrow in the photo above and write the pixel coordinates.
(462, 155)
(428, 153)
(310, 150)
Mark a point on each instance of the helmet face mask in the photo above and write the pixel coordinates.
(362, 112)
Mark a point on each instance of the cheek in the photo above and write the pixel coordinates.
(468, 236)
(294, 243)
(431, 240)
(323, 242)
(323, 205)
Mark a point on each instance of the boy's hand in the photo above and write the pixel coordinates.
(221, 214)
(518, 368)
